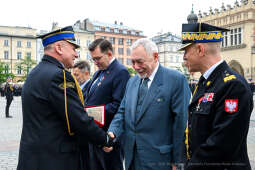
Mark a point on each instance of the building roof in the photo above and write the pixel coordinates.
(166, 37)
(115, 26)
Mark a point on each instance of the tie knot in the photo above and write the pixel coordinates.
(145, 80)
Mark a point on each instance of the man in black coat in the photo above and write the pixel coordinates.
(8, 91)
(222, 102)
(54, 121)
(106, 88)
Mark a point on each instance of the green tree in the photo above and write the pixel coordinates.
(3, 73)
(131, 71)
(25, 66)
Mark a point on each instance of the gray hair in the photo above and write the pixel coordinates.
(149, 46)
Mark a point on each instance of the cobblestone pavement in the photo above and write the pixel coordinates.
(10, 131)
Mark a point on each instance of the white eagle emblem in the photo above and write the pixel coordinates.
(231, 105)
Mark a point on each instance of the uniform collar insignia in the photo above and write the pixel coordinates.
(208, 83)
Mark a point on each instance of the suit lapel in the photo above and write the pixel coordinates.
(152, 92)
(134, 98)
(106, 74)
(88, 93)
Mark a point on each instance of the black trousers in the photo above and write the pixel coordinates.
(8, 103)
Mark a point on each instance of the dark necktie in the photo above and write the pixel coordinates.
(201, 81)
(97, 82)
(143, 89)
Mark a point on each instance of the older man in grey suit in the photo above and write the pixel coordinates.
(153, 112)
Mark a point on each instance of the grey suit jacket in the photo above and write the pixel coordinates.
(158, 131)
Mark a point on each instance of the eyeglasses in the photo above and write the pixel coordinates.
(95, 59)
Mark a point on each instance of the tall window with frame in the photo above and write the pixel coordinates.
(235, 36)
(19, 55)
(6, 43)
(18, 43)
(6, 55)
(240, 39)
(112, 40)
(28, 44)
(87, 43)
(128, 52)
(6, 69)
(120, 51)
(19, 70)
(129, 42)
(120, 41)
(28, 55)
(231, 37)
(224, 42)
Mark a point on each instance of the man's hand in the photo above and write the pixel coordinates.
(111, 137)
(108, 149)
(111, 140)
(111, 134)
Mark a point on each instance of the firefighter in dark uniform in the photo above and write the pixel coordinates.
(54, 120)
(220, 109)
(8, 91)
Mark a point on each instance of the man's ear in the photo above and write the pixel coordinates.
(155, 55)
(58, 48)
(109, 53)
(87, 73)
(201, 49)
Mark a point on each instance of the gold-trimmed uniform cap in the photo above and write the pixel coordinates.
(200, 33)
(65, 33)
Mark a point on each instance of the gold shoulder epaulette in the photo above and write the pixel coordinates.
(229, 77)
(68, 85)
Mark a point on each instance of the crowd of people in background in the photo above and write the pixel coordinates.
(16, 87)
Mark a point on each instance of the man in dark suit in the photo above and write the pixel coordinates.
(219, 113)
(81, 71)
(53, 114)
(8, 90)
(107, 88)
(153, 112)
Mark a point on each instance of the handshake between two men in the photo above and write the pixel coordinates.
(111, 140)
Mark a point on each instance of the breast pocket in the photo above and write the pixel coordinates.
(202, 118)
